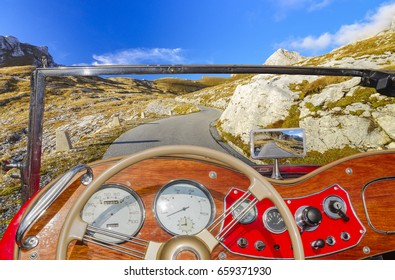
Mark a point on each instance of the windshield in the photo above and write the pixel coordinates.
(83, 114)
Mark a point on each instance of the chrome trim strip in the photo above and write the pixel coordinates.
(47, 199)
(366, 209)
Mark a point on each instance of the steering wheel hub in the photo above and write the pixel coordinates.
(184, 247)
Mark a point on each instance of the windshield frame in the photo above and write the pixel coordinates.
(383, 81)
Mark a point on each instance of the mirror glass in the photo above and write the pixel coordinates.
(278, 143)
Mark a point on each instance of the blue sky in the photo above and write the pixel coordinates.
(204, 31)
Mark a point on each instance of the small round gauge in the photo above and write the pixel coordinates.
(273, 221)
(184, 207)
(248, 217)
(114, 208)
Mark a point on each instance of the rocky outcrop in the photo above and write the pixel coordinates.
(15, 53)
(334, 114)
(284, 57)
(265, 100)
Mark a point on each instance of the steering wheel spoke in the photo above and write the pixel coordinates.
(261, 189)
(153, 250)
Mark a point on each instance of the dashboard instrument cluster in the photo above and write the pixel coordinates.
(326, 220)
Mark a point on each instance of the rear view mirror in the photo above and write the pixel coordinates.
(278, 143)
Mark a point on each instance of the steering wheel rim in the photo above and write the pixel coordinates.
(74, 228)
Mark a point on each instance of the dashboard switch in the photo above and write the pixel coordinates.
(317, 244)
(338, 208)
(260, 245)
(312, 216)
(345, 236)
(335, 208)
(330, 240)
(242, 242)
(308, 218)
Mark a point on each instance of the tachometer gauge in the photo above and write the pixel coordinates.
(114, 208)
(184, 207)
(273, 220)
(244, 218)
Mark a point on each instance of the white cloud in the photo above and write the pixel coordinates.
(310, 4)
(308, 42)
(141, 56)
(370, 26)
(318, 5)
(284, 7)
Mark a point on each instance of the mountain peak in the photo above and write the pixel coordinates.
(9, 40)
(284, 57)
(15, 53)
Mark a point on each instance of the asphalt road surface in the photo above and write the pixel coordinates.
(192, 129)
(271, 150)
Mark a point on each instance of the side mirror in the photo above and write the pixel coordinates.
(276, 144)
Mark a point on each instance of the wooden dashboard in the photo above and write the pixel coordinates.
(364, 183)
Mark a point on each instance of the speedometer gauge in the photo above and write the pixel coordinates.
(184, 207)
(114, 208)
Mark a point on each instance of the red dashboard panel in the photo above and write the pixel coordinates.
(326, 219)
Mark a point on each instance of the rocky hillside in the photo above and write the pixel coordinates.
(15, 53)
(339, 116)
(95, 111)
(84, 106)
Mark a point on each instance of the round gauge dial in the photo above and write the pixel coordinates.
(238, 212)
(184, 207)
(114, 208)
(273, 220)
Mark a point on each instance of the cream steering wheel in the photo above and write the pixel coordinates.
(202, 243)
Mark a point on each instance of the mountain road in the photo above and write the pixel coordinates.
(192, 129)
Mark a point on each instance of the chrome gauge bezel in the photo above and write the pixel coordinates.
(267, 224)
(138, 201)
(173, 183)
(253, 211)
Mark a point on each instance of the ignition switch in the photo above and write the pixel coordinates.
(336, 208)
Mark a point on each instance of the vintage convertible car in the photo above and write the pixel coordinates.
(191, 202)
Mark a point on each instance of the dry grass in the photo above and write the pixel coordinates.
(305, 88)
(374, 46)
(220, 89)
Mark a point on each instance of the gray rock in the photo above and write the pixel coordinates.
(336, 132)
(385, 117)
(284, 57)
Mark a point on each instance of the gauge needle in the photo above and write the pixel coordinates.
(109, 212)
(182, 209)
